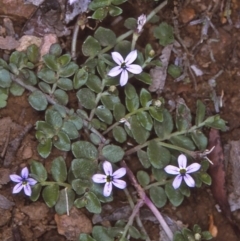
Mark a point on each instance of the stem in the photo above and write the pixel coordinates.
(62, 184)
(74, 39)
(156, 184)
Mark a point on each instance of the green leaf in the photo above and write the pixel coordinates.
(80, 78)
(95, 139)
(50, 61)
(200, 114)
(16, 89)
(93, 205)
(3, 98)
(143, 158)
(174, 71)
(164, 33)
(174, 195)
(130, 23)
(130, 91)
(159, 174)
(59, 169)
(95, 4)
(144, 77)
(140, 134)
(47, 75)
(53, 118)
(106, 37)
(38, 170)
(183, 141)
(65, 84)
(178, 236)
(36, 189)
(185, 190)
(61, 96)
(62, 141)
(132, 104)
(50, 194)
(143, 178)
(100, 234)
(76, 120)
(33, 53)
(206, 235)
(68, 70)
(118, 2)
(38, 100)
(65, 201)
(109, 101)
(145, 98)
(164, 129)
(134, 233)
(216, 122)
(101, 68)
(158, 196)
(55, 49)
(5, 78)
(44, 149)
(199, 139)
(64, 60)
(205, 178)
(100, 13)
(156, 113)
(188, 234)
(80, 186)
(119, 111)
(158, 156)
(119, 134)
(83, 168)
(85, 237)
(86, 98)
(183, 117)
(3, 64)
(44, 87)
(94, 83)
(145, 120)
(70, 129)
(114, 11)
(46, 128)
(90, 47)
(104, 114)
(84, 149)
(112, 153)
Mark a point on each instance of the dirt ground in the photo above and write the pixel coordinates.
(23, 220)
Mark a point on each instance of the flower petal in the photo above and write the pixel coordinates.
(107, 189)
(124, 77)
(99, 178)
(119, 183)
(115, 71)
(131, 57)
(134, 68)
(177, 181)
(17, 188)
(107, 167)
(31, 181)
(119, 173)
(189, 180)
(24, 173)
(193, 168)
(27, 189)
(170, 169)
(182, 161)
(117, 58)
(15, 178)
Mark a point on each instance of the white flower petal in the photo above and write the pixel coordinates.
(107, 189)
(119, 173)
(117, 58)
(115, 71)
(15, 178)
(182, 161)
(17, 188)
(177, 181)
(170, 169)
(31, 181)
(189, 180)
(107, 167)
(124, 77)
(193, 168)
(131, 57)
(27, 190)
(99, 178)
(25, 173)
(119, 183)
(134, 68)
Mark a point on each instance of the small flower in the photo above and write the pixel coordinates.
(124, 66)
(182, 172)
(24, 182)
(72, 1)
(140, 22)
(110, 178)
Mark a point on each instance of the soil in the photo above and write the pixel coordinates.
(24, 220)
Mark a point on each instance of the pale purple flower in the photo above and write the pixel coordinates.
(110, 178)
(124, 66)
(24, 182)
(140, 22)
(182, 172)
(72, 1)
